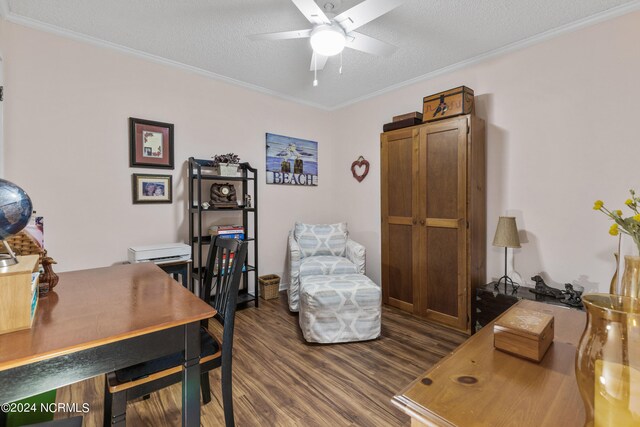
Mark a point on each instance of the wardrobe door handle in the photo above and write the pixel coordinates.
(422, 222)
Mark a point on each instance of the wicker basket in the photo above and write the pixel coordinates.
(23, 244)
(269, 286)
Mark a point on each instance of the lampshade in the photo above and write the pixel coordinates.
(507, 233)
(328, 40)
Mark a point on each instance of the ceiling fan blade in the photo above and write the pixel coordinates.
(359, 41)
(365, 12)
(312, 11)
(283, 35)
(317, 62)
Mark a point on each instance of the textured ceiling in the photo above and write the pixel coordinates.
(212, 35)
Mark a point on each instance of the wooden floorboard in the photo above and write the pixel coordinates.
(279, 380)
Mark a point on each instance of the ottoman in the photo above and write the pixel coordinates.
(339, 308)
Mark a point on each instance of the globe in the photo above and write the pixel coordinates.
(15, 209)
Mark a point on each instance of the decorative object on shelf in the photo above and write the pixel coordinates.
(269, 286)
(630, 284)
(571, 296)
(543, 289)
(223, 195)
(360, 163)
(226, 164)
(506, 237)
(205, 205)
(608, 360)
(452, 102)
(49, 277)
(247, 201)
(152, 188)
(15, 213)
(150, 144)
(286, 154)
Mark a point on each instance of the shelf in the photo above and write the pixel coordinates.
(221, 178)
(245, 298)
(206, 240)
(195, 209)
(196, 271)
(246, 183)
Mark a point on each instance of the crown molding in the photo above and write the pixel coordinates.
(522, 44)
(42, 26)
(633, 6)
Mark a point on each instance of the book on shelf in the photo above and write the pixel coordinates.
(239, 236)
(216, 230)
(224, 258)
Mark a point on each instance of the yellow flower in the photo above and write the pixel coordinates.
(597, 205)
(618, 212)
(637, 217)
(614, 230)
(628, 202)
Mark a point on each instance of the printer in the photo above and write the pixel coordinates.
(160, 254)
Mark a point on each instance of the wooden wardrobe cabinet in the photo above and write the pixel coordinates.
(434, 218)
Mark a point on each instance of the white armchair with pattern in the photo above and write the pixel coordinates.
(321, 249)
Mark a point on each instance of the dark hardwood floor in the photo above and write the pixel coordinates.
(279, 380)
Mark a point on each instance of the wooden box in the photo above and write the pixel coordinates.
(401, 124)
(18, 294)
(452, 102)
(412, 115)
(525, 333)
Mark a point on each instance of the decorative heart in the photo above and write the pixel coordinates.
(361, 163)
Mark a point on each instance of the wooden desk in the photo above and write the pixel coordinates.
(96, 321)
(477, 385)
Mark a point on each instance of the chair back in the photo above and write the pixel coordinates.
(223, 275)
(321, 239)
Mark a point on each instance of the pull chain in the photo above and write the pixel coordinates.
(315, 70)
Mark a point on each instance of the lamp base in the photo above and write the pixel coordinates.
(507, 281)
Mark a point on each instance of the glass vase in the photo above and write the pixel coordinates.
(630, 283)
(608, 361)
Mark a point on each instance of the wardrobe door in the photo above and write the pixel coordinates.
(399, 193)
(443, 222)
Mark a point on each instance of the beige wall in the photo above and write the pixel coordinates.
(67, 108)
(562, 131)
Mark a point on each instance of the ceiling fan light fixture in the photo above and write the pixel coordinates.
(328, 40)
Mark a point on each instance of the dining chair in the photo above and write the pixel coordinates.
(224, 264)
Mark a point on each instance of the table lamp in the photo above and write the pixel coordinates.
(506, 237)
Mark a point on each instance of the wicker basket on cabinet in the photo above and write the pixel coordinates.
(23, 244)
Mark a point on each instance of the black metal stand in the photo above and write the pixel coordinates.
(507, 279)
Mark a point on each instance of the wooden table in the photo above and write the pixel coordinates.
(96, 321)
(477, 385)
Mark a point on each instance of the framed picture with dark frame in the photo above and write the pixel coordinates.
(148, 188)
(150, 144)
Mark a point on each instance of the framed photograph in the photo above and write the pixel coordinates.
(291, 161)
(152, 188)
(150, 144)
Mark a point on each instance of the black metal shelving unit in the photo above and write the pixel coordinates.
(249, 186)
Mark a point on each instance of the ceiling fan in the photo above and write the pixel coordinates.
(331, 33)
